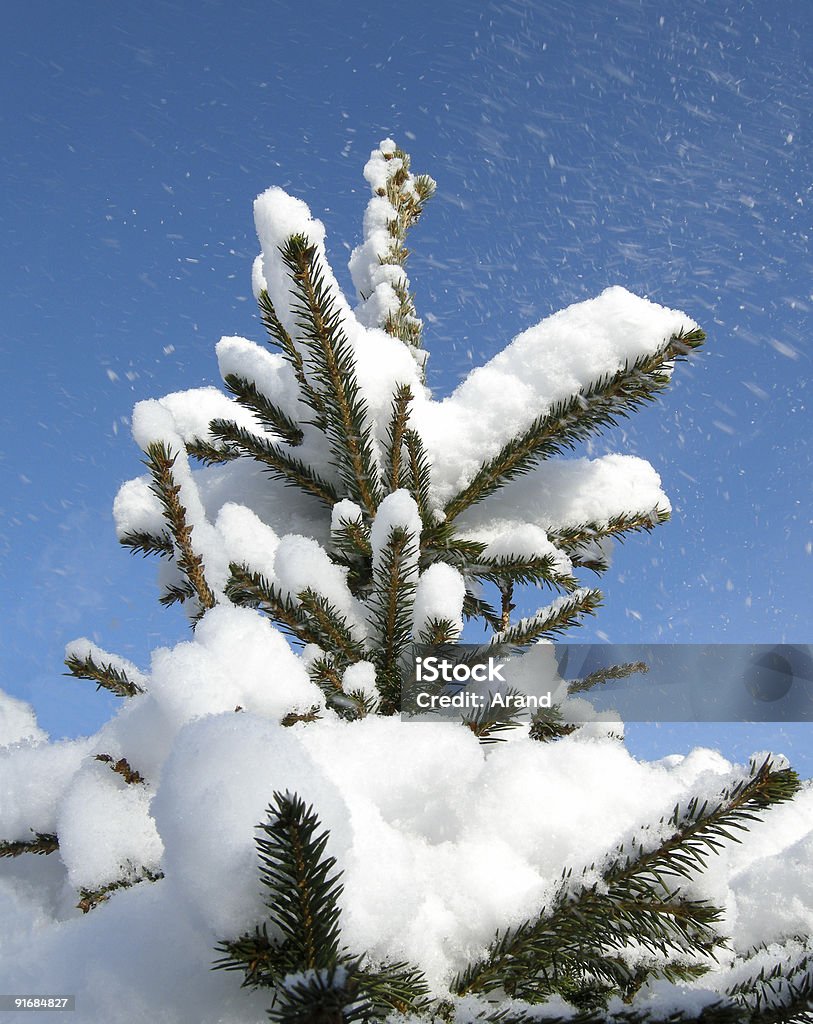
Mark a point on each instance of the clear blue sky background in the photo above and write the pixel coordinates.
(663, 146)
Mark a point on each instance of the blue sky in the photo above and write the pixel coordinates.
(661, 146)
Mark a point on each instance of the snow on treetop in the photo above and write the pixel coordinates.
(549, 363)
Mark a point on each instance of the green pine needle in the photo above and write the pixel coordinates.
(160, 462)
(274, 419)
(252, 590)
(393, 454)
(177, 593)
(105, 675)
(210, 454)
(571, 538)
(391, 604)
(476, 607)
(313, 976)
(280, 464)
(327, 674)
(783, 993)
(330, 627)
(418, 473)
(303, 889)
(330, 363)
(605, 675)
(352, 538)
(517, 570)
(42, 843)
(439, 631)
(283, 341)
(552, 621)
(548, 724)
(141, 542)
(488, 723)
(407, 195)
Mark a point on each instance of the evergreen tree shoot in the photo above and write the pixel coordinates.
(258, 806)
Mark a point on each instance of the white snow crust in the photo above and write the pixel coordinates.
(17, 721)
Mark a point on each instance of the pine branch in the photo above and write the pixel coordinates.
(332, 995)
(418, 473)
(314, 978)
(332, 364)
(347, 992)
(122, 768)
(569, 538)
(105, 675)
(407, 194)
(439, 543)
(488, 722)
(391, 605)
(352, 538)
(478, 608)
(363, 704)
(252, 590)
(90, 898)
(408, 198)
(551, 621)
(701, 829)
(533, 960)
(330, 627)
(439, 631)
(310, 619)
(634, 902)
(398, 987)
(783, 993)
(177, 593)
(350, 541)
(258, 957)
(274, 419)
(141, 542)
(601, 404)
(160, 461)
(209, 454)
(721, 1012)
(281, 465)
(590, 559)
(506, 605)
(42, 843)
(604, 675)
(548, 724)
(393, 454)
(294, 717)
(519, 570)
(797, 1010)
(327, 676)
(283, 341)
(303, 890)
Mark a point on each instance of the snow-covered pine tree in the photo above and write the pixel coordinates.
(415, 869)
